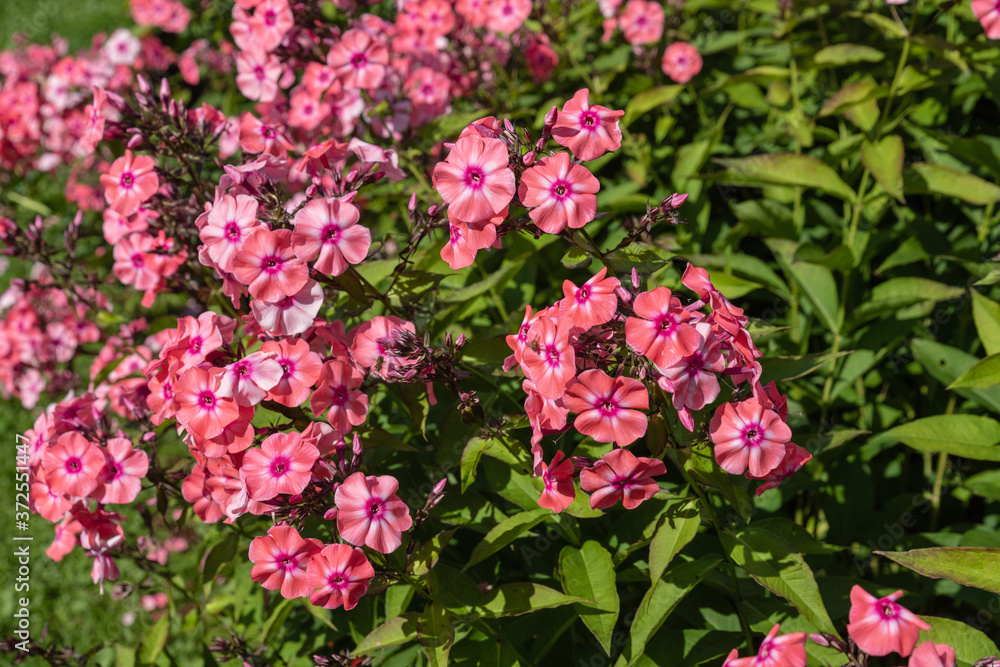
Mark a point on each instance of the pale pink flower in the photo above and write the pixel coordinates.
(748, 434)
(879, 626)
(129, 182)
(367, 344)
(593, 303)
(248, 380)
(329, 229)
(784, 651)
(692, 379)
(681, 62)
(561, 193)
(358, 60)
(201, 406)
(661, 330)
(292, 315)
(229, 222)
(72, 465)
(642, 22)
(507, 15)
(281, 559)
(121, 478)
(257, 75)
(336, 389)
(340, 575)
(474, 180)
(620, 475)
(369, 513)
(589, 131)
(548, 358)
(268, 265)
(300, 368)
(282, 465)
(608, 408)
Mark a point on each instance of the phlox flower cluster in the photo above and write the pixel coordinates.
(642, 23)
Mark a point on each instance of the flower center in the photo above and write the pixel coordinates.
(589, 120)
(551, 355)
(272, 263)
(126, 180)
(887, 609)
(137, 260)
(331, 233)
(232, 231)
(73, 465)
(258, 72)
(207, 400)
(359, 60)
(279, 466)
(474, 177)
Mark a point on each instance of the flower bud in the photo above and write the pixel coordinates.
(528, 159)
(550, 118)
(635, 279)
(135, 141)
(311, 191)
(412, 205)
(143, 84)
(164, 89)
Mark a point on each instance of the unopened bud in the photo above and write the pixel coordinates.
(164, 89)
(432, 210)
(143, 84)
(412, 205)
(356, 448)
(311, 191)
(135, 141)
(439, 487)
(550, 118)
(528, 159)
(508, 126)
(635, 279)
(330, 514)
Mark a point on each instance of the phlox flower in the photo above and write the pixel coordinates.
(561, 193)
(692, 379)
(545, 415)
(681, 62)
(548, 358)
(879, 626)
(236, 437)
(129, 182)
(307, 110)
(72, 465)
(795, 457)
(122, 475)
(136, 263)
(474, 180)
(201, 407)
(257, 74)
(281, 559)
(65, 538)
(268, 266)
(358, 60)
(589, 131)
(248, 380)
(300, 368)
(517, 341)
(117, 226)
(51, 505)
(507, 15)
(329, 229)
(337, 390)
(293, 314)
(369, 513)
(592, 303)
(465, 239)
(988, 13)
(368, 351)
(559, 491)
(784, 651)
(642, 22)
(197, 338)
(620, 475)
(271, 20)
(473, 11)
(340, 575)
(748, 434)
(930, 654)
(607, 409)
(661, 330)
(257, 136)
(282, 465)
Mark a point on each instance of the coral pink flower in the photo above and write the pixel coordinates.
(795, 458)
(748, 434)
(293, 314)
(681, 62)
(340, 575)
(593, 303)
(465, 239)
(51, 505)
(282, 465)
(201, 407)
(257, 136)
(268, 265)
(517, 341)
(930, 654)
(880, 626)
(135, 262)
(548, 358)
(369, 513)
(121, 478)
(300, 368)
(248, 380)
(367, 344)
(257, 74)
(642, 21)
(561, 192)
(988, 13)
(280, 561)
(558, 478)
(65, 538)
(226, 226)
(620, 475)
(507, 15)
(200, 337)
(662, 331)
(72, 465)
(692, 379)
(329, 228)
(129, 182)
(784, 651)
(474, 180)
(358, 60)
(608, 409)
(271, 20)
(589, 131)
(545, 415)
(337, 389)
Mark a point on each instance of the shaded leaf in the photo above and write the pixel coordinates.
(394, 632)
(522, 598)
(676, 527)
(436, 633)
(847, 54)
(977, 567)
(589, 572)
(885, 162)
(926, 178)
(506, 532)
(986, 314)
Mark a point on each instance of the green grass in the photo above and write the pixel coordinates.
(76, 20)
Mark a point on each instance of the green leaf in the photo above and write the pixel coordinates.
(700, 463)
(986, 314)
(785, 169)
(985, 484)
(847, 54)
(967, 436)
(818, 284)
(775, 564)
(926, 178)
(946, 364)
(471, 455)
(648, 100)
(897, 293)
(397, 599)
(494, 281)
(645, 258)
(676, 527)
(499, 654)
(153, 641)
(436, 633)
(791, 368)
(977, 567)
(396, 631)
(506, 532)
(219, 555)
(983, 375)
(429, 553)
(970, 644)
(124, 656)
(850, 96)
(522, 598)
(885, 162)
(660, 600)
(277, 619)
(589, 572)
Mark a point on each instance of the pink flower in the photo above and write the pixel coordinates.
(72, 465)
(465, 239)
(358, 60)
(681, 62)
(475, 180)
(201, 407)
(293, 314)
(594, 303)
(642, 22)
(135, 262)
(337, 390)
(121, 478)
(774, 651)
(226, 226)
(280, 561)
(257, 74)
(248, 380)
(507, 15)
(608, 409)
(51, 505)
(548, 359)
(271, 20)
(329, 228)
(559, 490)
(369, 513)
(588, 131)
(367, 349)
(300, 368)
(930, 654)
(268, 265)
(282, 465)
(692, 379)
(988, 13)
(561, 192)
(340, 575)
(748, 434)
(795, 457)
(620, 475)
(662, 331)
(880, 626)
(129, 182)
